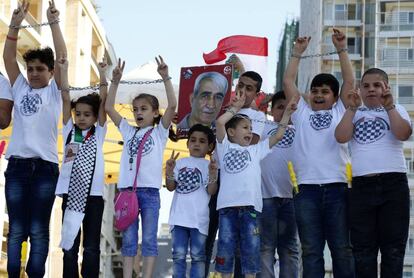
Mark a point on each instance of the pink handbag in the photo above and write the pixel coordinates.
(126, 202)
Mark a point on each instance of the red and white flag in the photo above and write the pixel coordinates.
(252, 51)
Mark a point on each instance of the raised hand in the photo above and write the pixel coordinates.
(386, 99)
(103, 66)
(292, 105)
(19, 14)
(301, 43)
(238, 100)
(354, 99)
(52, 13)
(117, 72)
(339, 39)
(170, 163)
(212, 168)
(162, 67)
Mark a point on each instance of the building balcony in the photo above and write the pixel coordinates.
(397, 66)
(342, 22)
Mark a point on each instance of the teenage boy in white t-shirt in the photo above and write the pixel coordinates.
(193, 179)
(278, 230)
(240, 197)
(379, 202)
(250, 83)
(320, 164)
(32, 169)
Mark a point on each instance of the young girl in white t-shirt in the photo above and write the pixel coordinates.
(379, 202)
(81, 178)
(146, 114)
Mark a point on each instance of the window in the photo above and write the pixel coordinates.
(340, 12)
(328, 11)
(411, 17)
(405, 91)
(351, 11)
(410, 54)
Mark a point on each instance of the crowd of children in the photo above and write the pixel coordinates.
(258, 216)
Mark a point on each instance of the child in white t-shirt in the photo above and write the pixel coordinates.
(32, 169)
(379, 202)
(147, 117)
(194, 179)
(320, 164)
(278, 230)
(81, 178)
(240, 197)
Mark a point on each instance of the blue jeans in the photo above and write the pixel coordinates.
(238, 227)
(149, 208)
(91, 228)
(30, 193)
(181, 236)
(321, 215)
(278, 230)
(379, 221)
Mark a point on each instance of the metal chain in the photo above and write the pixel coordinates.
(126, 82)
(34, 25)
(320, 54)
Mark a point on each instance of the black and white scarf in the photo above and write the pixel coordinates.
(79, 189)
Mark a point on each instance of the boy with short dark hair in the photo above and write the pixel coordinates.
(249, 84)
(193, 179)
(379, 203)
(240, 199)
(320, 164)
(32, 170)
(278, 230)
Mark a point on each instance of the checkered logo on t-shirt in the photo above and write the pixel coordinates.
(287, 139)
(321, 120)
(236, 161)
(370, 130)
(189, 180)
(134, 142)
(30, 104)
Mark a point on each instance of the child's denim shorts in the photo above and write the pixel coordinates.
(238, 230)
(149, 206)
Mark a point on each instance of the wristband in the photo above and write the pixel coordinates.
(11, 38)
(342, 50)
(231, 111)
(295, 55)
(167, 78)
(353, 108)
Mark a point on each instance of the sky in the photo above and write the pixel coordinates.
(181, 30)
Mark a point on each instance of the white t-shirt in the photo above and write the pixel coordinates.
(240, 174)
(69, 156)
(258, 119)
(5, 89)
(35, 121)
(150, 169)
(189, 207)
(275, 175)
(374, 148)
(319, 158)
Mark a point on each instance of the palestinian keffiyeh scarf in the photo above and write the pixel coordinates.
(79, 186)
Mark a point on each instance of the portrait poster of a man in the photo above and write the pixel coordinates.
(202, 95)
